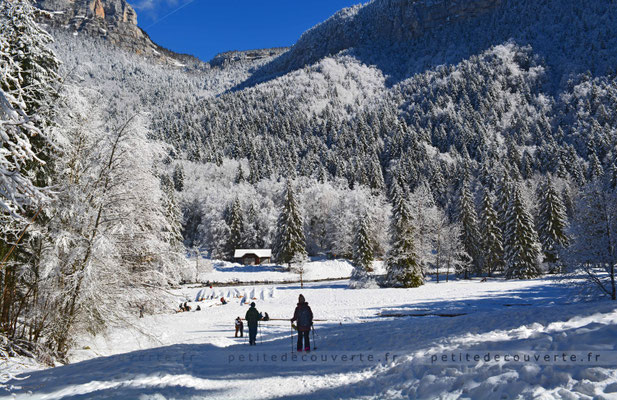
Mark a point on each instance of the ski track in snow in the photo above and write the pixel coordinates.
(180, 357)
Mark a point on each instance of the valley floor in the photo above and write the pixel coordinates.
(195, 355)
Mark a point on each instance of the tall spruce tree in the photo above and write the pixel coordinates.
(502, 204)
(236, 227)
(552, 223)
(29, 84)
(35, 79)
(492, 245)
(403, 265)
(290, 243)
(172, 213)
(178, 178)
(470, 234)
(363, 254)
(522, 248)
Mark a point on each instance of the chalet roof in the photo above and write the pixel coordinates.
(261, 253)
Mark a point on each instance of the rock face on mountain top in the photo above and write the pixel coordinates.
(112, 20)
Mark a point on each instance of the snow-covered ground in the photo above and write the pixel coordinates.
(195, 355)
(226, 272)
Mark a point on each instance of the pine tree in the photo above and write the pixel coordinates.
(504, 195)
(403, 266)
(29, 84)
(552, 223)
(35, 79)
(492, 245)
(240, 175)
(522, 249)
(178, 178)
(236, 227)
(362, 253)
(596, 171)
(289, 244)
(251, 226)
(470, 234)
(172, 213)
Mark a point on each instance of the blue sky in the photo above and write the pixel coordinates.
(205, 28)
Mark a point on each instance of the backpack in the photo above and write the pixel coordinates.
(304, 317)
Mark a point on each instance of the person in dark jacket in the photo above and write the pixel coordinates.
(304, 316)
(252, 318)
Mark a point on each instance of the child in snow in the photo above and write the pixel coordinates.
(223, 301)
(239, 327)
(304, 315)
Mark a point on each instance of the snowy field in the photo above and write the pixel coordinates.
(226, 272)
(194, 355)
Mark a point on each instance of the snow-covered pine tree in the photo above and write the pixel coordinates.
(552, 223)
(363, 254)
(403, 266)
(492, 245)
(172, 213)
(35, 79)
(236, 227)
(240, 175)
(522, 249)
(178, 178)
(596, 171)
(28, 84)
(470, 234)
(251, 229)
(289, 243)
(502, 203)
(426, 219)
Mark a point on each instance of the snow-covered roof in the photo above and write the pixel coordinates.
(261, 253)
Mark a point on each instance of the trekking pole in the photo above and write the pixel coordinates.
(291, 332)
(314, 345)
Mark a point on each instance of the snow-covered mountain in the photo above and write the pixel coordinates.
(404, 37)
(417, 92)
(393, 89)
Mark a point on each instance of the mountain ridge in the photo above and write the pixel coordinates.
(116, 22)
(385, 21)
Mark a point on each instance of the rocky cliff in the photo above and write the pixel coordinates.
(113, 20)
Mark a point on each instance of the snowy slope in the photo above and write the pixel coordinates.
(404, 37)
(188, 355)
